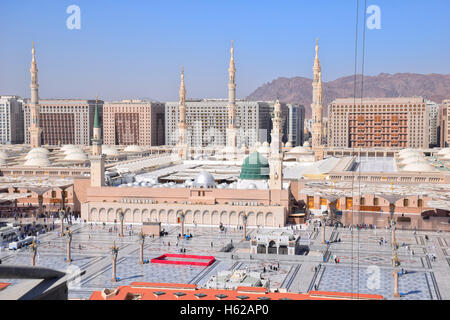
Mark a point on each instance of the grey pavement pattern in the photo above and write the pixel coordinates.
(359, 253)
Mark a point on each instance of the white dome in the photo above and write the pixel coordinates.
(204, 180)
(266, 144)
(411, 160)
(73, 150)
(299, 150)
(36, 155)
(419, 167)
(444, 152)
(133, 148)
(306, 144)
(37, 162)
(251, 186)
(76, 156)
(39, 150)
(288, 144)
(3, 155)
(68, 147)
(406, 150)
(265, 149)
(109, 151)
(410, 154)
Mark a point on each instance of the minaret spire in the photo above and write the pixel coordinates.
(232, 128)
(35, 130)
(182, 125)
(276, 155)
(97, 158)
(317, 106)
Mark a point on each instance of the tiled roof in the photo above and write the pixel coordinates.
(171, 291)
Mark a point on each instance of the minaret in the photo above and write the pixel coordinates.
(276, 155)
(232, 128)
(182, 125)
(97, 158)
(316, 106)
(35, 129)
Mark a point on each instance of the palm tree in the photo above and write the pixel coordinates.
(114, 252)
(34, 247)
(62, 215)
(69, 244)
(182, 215)
(121, 218)
(244, 221)
(141, 236)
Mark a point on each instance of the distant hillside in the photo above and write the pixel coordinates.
(435, 87)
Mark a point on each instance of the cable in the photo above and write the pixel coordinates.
(353, 145)
(362, 95)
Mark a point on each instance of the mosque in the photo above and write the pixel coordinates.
(268, 185)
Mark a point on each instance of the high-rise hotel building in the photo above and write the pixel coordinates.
(444, 124)
(133, 122)
(207, 122)
(11, 120)
(64, 121)
(379, 122)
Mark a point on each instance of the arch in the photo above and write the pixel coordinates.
(234, 218)
(162, 216)
(198, 217)
(224, 217)
(145, 215)
(128, 216)
(171, 217)
(260, 219)
(269, 220)
(154, 215)
(251, 220)
(215, 219)
(102, 216)
(94, 215)
(111, 215)
(137, 217)
(188, 217)
(206, 218)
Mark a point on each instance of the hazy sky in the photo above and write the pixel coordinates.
(136, 48)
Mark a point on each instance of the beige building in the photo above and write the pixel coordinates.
(133, 122)
(444, 121)
(63, 121)
(11, 120)
(379, 122)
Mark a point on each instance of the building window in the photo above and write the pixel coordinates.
(362, 201)
(53, 194)
(375, 201)
(420, 203)
(405, 202)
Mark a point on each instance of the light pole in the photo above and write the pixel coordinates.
(141, 236)
(114, 253)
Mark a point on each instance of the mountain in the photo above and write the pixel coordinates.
(435, 87)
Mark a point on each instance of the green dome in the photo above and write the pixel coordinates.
(255, 167)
